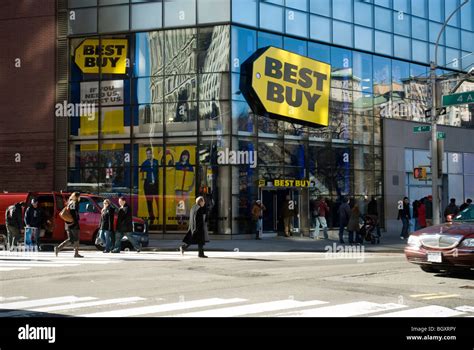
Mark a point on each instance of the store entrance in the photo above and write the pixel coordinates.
(273, 200)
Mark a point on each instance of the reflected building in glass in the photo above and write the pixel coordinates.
(168, 114)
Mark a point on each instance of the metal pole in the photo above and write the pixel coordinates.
(434, 120)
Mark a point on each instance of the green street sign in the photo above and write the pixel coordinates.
(440, 135)
(424, 128)
(458, 99)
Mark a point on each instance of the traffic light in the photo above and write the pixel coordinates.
(419, 173)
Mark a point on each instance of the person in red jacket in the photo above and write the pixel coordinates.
(422, 214)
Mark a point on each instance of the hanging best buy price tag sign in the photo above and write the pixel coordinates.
(110, 56)
(287, 86)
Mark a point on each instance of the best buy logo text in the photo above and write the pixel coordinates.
(109, 56)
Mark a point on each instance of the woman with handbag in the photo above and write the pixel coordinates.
(106, 226)
(72, 228)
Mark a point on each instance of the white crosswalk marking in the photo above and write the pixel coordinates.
(153, 309)
(43, 302)
(253, 308)
(344, 310)
(3, 299)
(425, 311)
(74, 306)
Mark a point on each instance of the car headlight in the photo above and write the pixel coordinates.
(414, 241)
(469, 242)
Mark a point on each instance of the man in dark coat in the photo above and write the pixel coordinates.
(373, 211)
(14, 223)
(344, 212)
(196, 229)
(124, 226)
(404, 215)
(34, 220)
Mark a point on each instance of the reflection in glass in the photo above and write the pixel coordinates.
(213, 48)
(180, 51)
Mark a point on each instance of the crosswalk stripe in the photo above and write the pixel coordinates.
(152, 309)
(43, 302)
(6, 269)
(465, 308)
(37, 265)
(441, 296)
(253, 308)
(425, 311)
(344, 310)
(423, 295)
(74, 306)
(12, 298)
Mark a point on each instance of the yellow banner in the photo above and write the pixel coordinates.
(108, 55)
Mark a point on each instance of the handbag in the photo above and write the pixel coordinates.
(65, 214)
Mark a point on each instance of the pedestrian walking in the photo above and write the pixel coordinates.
(196, 228)
(344, 212)
(429, 210)
(353, 225)
(14, 224)
(451, 210)
(72, 228)
(124, 227)
(465, 205)
(106, 226)
(288, 212)
(373, 211)
(257, 217)
(414, 217)
(322, 210)
(421, 221)
(404, 215)
(34, 219)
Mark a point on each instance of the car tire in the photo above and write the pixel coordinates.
(127, 246)
(430, 269)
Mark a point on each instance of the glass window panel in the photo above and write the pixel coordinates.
(383, 19)
(469, 164)
(419, 51)
(244, 44)
(363, 130)
(384, 3)
(210, 11)
(455, 163)
(409, 160)
(148, 120)
(295, 45)
(467, 21)
(180, 88)
(467, 60)
(276, 2)
(363, 14)
(342, 33)
(342, 9)
(149, 54)
(421, 158)
(452, 58)
(85, 21)
(469, 186)
(383, 43)
(296, 23)
(449, 7)
(401, 46)
(297, 4)
(245, 12)
(243, 118)
(419, 8)
(214, 117)
(81, 3)
(382, 75)
(147, 16)
(341, 66)
(441, 54)
(434, 29)
(180, 13)
(271, 17)
(147, 90)
(113, 19)
(180, 51)
(268, 39)
(213, 49)
(467, 41)
(363, 38)
(319, 52)
(452, 37)
(270, 152)
(419, 28)
(401, 23)
(180, 118)
(321, 7)
(456, 189)
(213, 86)
(115, 121)
(400, 74)
(436, 10)
(320, 28)
(363, 183)
(112, 2)
(294, 154)
(402, 5)
(362, 79)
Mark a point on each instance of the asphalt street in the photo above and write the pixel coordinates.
(228, 283)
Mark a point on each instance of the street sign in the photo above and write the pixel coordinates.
(439, 111)
(458, 99)
(424, 128)
(440, 135)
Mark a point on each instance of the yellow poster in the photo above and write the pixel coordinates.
(180, 183)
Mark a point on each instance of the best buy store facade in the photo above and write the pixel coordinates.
(176, 86)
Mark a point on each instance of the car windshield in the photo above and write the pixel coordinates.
(466, 215)
(100, 203)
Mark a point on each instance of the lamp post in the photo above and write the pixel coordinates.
(434, 120)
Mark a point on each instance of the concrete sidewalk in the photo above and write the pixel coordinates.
(389, 242)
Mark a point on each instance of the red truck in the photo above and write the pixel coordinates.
(52, 203)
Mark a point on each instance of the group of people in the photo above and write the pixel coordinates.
(31, 223)
(420, 214)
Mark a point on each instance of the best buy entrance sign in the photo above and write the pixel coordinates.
(110, 56)
(287, 86)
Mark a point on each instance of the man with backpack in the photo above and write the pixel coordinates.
(14, 223)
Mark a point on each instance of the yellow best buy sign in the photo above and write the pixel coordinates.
(287, 86)
(108, 55)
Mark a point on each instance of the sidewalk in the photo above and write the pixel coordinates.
(389, 243)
